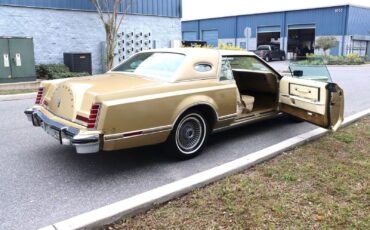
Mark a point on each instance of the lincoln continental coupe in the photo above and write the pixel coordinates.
(177, 97)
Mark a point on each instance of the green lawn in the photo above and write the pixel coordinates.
(322, 185)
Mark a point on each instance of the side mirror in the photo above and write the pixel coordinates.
(297, 73)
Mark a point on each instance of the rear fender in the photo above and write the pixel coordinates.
(191, 102)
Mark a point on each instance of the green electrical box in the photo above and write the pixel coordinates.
(17, 60)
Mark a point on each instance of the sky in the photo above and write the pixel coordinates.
(197, 9)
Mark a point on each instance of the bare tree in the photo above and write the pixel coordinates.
(108, 11)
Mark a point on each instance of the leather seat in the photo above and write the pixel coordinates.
(244, 102)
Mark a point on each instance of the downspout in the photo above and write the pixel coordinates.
(180, 10)
(198, 29)
(345, 32)
(284, 33)
(236, 30)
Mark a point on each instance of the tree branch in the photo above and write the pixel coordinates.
(99, 10)
(129, 4)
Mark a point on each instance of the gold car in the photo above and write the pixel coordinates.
(178, 97)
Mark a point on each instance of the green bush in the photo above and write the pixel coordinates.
(70, 74)
(48, 71)
(55, 71)
(350, 59)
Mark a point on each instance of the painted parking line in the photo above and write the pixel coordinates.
(146, 200)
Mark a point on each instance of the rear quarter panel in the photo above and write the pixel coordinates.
(162, 108)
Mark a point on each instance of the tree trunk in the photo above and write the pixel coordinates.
(110, 51)
(111, 26)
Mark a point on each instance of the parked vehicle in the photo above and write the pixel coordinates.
(270, 52)
(177, 97)
(193, 43)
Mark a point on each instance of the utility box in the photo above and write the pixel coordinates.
(78, 62)
(17, 60)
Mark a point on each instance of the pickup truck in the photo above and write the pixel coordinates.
(270, 52)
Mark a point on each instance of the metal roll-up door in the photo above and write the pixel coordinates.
(301, 26)
(189, 36)
(268, 35)
(211, 37)
(268, 29)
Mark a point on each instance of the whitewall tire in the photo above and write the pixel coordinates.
(189, 135)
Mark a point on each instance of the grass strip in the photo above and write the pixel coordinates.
(324, 184)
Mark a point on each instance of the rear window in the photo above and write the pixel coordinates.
(203, 67)
(159, 66)
(263, 48)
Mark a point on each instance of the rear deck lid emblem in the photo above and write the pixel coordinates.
(59, 101)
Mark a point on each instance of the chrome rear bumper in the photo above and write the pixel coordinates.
(64, 134)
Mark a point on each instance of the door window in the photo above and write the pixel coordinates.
(310, 72)
(226, 71)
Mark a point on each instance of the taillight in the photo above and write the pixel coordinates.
(40, 94)
(93, 117)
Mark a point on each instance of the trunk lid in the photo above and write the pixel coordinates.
(68, 98)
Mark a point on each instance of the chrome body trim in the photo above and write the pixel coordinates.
(249, 120)
(84, 143)
(228, 117)
(119, 136)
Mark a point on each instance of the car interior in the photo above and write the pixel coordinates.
(258, 91)
(257, 87)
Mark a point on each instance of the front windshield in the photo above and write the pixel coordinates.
(160, 66)
(310, 72)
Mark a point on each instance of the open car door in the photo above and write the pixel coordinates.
(321, 103)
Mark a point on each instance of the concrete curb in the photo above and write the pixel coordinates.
(146, 200)
(21, 85)
(17, 96)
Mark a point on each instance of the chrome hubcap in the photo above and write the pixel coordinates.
(190, 134)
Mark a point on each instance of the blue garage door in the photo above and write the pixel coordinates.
(211, 37)
(189, 36)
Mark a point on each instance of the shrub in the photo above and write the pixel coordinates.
(55, 71)
(221, 46)
(224, 46)
(47, 71)
(350, 59)
(70, 74)
(354, 59)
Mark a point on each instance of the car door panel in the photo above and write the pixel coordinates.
(317, 102)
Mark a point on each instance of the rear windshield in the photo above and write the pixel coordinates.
(263, 48)
(159, 66)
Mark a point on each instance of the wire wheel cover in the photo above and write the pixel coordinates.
(190, 133)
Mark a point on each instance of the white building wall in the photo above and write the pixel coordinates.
(56, 32)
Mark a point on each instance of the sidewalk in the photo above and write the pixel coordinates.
(18, 90)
